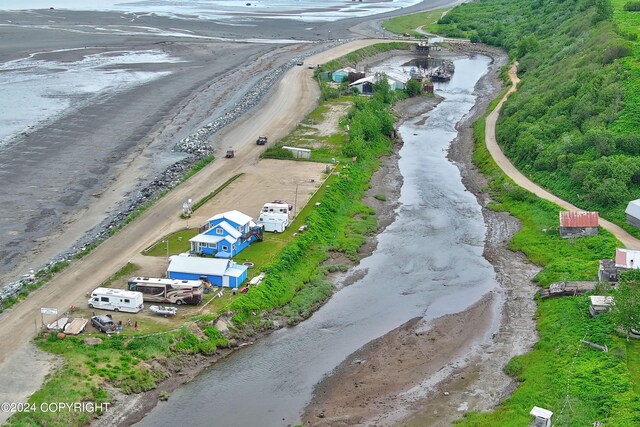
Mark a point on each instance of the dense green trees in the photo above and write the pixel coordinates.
(561, 127)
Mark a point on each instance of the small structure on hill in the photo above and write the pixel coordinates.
(542, 417)
(633, 213)
(626, 259)
(578, 224)
(600, 304)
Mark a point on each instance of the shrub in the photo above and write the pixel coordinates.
(632, 6)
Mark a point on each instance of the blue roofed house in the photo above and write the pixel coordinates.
(226, 234)
(218, 272)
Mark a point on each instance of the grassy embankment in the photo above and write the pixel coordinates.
(558, 123)
(135, 361)
(409, 24)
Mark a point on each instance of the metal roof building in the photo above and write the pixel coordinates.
(633, 213)
(218, 271)
(578, 223)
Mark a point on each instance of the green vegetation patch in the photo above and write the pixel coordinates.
(578, 383)
(197, 205)
(173, 244)
(578, 136)
(408, 24)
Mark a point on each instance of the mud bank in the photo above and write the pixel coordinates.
(429, 375)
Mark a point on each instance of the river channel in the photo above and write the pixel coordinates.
(427, 263)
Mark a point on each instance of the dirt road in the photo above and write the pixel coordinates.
(290, 101)
(512, 172)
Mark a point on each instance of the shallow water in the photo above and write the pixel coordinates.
(428, 263)
(233, 10)
(34, 90)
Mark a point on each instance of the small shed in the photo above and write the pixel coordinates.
(299, 153)
(542, 417)
(364, 85)
(607, 272)
(633, 213)
(600, 304)
(397, 81)
(342, 75)
(578, 224)
(627, 259)
(218, 271)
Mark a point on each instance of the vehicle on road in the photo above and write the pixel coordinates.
(116, 300)
(311, 66)
(262, 140)
(104, 323)
(300, 63)
(230, 154)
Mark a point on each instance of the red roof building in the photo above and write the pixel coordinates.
(576, 224)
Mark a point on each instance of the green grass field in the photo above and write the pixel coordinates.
(410, 23)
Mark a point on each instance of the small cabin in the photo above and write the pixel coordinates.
(578, 224)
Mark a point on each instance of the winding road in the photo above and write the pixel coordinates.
(512, 172)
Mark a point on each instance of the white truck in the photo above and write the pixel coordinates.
(116, 300)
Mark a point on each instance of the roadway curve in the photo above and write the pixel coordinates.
(512, 172)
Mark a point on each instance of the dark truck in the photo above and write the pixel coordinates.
(104, 323)
(262, 140)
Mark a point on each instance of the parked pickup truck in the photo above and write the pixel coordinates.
(104, 323)
(230, 154)
(262, 140)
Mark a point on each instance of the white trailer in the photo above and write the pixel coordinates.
(282, 208)
(274, 222)
(116, 300)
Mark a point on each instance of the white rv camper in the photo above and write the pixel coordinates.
(274, 222)
(274, 217)
(116, 300)
(281, 208)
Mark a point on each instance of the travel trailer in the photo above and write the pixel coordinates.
(274, 216)
(274, 222)
(116, 300)
(281, 208)
(173, 291)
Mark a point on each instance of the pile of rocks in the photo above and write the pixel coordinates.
(198, 142)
